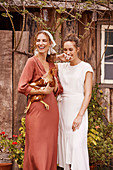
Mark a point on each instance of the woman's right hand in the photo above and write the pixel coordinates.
(47, 89)
(42, 90)
(63, 57)
(77, 122)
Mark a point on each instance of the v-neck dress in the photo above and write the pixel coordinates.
(72, 146)
(41, 124)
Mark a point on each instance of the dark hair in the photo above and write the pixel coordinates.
(73, 37)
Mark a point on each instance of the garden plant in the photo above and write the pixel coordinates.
(14, 146)
(100, 136)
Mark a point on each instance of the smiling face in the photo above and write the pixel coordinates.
(42, 43)
(71, 50)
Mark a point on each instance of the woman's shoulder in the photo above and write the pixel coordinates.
(62, 64)
(87, 66)
(34, 60)
(31, 59)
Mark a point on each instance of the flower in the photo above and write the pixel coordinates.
(14, 146)
(101, 91)
(96, 127)
(14, 143)
(93, 106)
(3, 133)
(15, 136)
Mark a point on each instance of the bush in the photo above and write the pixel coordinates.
(14, 146)
(100, 133)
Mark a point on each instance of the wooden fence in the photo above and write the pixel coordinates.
(11, 65)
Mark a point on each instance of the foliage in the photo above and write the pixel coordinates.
(61, 10)
(66, 13)
(100, 134)
(14, 146)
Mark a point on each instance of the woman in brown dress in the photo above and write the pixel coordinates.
(41, 124)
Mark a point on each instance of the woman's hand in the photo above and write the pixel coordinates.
(63, 57)
(42, 90)
(77, 122)
(47, 89)
(56, 85)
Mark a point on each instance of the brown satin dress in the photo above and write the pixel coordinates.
(41, 124)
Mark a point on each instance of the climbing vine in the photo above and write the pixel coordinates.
(68, 11)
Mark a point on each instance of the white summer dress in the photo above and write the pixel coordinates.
(72, 146)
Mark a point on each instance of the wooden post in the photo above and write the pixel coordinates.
(98, 70)
(19, 63)
(6, 82)
(111, 104)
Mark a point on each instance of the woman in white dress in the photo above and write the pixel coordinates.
(76, 78)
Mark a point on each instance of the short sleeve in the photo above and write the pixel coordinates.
(87, 68)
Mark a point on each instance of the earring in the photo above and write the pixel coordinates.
(35, 52)
(49, 51)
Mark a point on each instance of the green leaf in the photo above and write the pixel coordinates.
(61, 10)
(4, 15)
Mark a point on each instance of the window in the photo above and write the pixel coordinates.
(107, 54)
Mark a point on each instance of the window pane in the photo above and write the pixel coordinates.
(108, 71)
(109, 51)
(109, 35)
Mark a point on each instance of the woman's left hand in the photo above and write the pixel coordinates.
(77, 122)
(56, 85)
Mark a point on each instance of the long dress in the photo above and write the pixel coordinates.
(41, 124)
(72, 146)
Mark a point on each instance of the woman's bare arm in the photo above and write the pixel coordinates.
(45, 90)
(62, 57)
(87, 96)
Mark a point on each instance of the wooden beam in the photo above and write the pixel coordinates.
(63, 4)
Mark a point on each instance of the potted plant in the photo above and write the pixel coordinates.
(100, 133)
(14, 146)
(6, 166)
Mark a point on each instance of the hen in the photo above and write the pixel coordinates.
(48, 78)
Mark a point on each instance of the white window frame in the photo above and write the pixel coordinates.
(103, 80)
